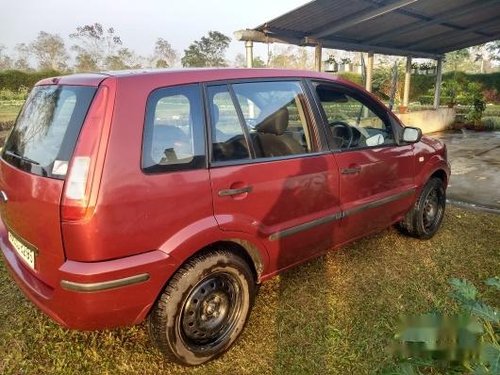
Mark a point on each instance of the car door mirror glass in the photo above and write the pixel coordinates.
(412, 135)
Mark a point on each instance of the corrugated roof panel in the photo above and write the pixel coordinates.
(386, 23)
(474, 19)
(412, 25)
(437, 6)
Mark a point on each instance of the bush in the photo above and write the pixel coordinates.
(429, 99)
(422, 85)
(473, 95)
(491, 123)
(491, 95)
(465, 343)
(19, 94)
(353, 77)
(487, 81)
(14, 80)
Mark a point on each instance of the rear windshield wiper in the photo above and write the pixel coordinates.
(20, 157)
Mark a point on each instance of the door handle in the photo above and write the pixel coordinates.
(229, 192)
(353, 170)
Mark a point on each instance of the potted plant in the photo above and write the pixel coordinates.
(346, 64)
(414, 68)
(331, 64)
(424, 68)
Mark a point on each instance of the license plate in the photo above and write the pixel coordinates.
(23, 251)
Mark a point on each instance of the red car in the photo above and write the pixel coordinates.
(170, 195)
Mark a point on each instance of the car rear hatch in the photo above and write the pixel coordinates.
(33, 167)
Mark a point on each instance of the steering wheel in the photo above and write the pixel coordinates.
(342, 125)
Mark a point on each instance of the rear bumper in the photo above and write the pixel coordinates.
(95, 295)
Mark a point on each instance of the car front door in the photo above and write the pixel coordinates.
(271, 175)
(376, 172)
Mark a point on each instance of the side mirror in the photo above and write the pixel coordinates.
(412, 135)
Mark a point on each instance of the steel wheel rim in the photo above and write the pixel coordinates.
(211, 311)
(432, 210)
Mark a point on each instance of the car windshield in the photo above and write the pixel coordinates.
(45, 133)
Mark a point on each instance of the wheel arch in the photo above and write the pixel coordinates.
(442, 175)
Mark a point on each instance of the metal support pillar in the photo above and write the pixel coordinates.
(406, 93)
(439, 78)
(249, 53)
(317, 57)
(369, 72)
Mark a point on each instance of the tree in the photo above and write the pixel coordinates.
(208, 51)
(494, 50)
(5, 60)
(23, 53)
(50, 51)
(94, 45)
(164, 55)
(85, 62)
(123, 59)
(241, 61)
(458, 60)
(291, 57)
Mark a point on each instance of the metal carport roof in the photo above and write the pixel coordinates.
(418, 28)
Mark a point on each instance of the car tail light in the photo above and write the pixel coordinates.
(82, 180)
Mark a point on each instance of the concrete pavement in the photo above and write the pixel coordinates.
(475, 167)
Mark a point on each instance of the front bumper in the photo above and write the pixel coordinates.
(95, 295)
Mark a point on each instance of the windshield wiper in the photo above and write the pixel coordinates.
(20, 157)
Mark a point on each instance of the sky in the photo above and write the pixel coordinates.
(140, 22)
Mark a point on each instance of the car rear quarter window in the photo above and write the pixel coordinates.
(173, 133)
(44, 136)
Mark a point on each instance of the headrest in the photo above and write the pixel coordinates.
(276, 123)
(215, 113)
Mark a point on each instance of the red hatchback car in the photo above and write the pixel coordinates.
(170, 195)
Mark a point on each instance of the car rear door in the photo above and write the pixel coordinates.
(376, 173)
(271, 175)
(33, 167)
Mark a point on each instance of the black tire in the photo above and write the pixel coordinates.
(424, 219)
(204, 308)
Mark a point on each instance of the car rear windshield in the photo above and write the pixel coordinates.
(44, 136)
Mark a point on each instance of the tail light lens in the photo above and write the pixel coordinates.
(80, 189)
(77, 180)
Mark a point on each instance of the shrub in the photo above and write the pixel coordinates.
(420, 85)
(491, 123)
(467, 343)
(353, 77)
(473, 95)
(20, 94)
(14, 80)
(491, 95)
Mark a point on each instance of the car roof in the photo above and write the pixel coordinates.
(169, 77)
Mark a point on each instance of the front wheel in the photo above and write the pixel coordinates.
(424, 219)
(204, 308)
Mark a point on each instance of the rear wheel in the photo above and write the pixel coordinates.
(204, 308)
(424, 219)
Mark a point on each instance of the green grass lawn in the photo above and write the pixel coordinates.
(334, 315)
(9, 111)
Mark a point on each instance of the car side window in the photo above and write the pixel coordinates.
(352, 122)
(228, 138)
(259, 120)
(173, 133)
(275, 117)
